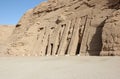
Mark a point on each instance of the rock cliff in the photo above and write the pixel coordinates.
(5, 33)
(68, 27)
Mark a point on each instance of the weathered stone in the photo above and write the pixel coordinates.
(68, 27)
(110, 37)
(5, 33)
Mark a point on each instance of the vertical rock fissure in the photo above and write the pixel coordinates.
(79, 44)
(69, 38)
(51, 48)
(58, 43)
(78, 49)
(46, 50)
(47, 45)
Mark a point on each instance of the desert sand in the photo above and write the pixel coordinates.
(59, 67)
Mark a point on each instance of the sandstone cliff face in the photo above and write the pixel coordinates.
(5, 33)
(111, 35)
(68, 27)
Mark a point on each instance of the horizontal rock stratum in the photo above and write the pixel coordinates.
(68, 27)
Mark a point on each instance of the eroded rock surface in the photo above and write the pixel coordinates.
(5, 33)
(111, 35)
(67, 27)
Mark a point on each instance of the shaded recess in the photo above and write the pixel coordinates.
(96, 42)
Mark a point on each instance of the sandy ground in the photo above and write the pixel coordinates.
(59, 67)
